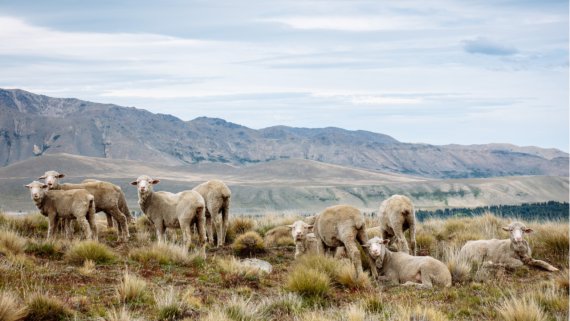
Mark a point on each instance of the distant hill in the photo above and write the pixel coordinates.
(295, 185)
(33, 125)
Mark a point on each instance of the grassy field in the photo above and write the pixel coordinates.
(141, 280)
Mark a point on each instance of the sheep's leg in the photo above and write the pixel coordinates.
(85, 227)
(186, 226)
(225, 211)
(52, 222)
(209, 227)
(542, 265)
(413, 238)
(401, 242)
(92, 224)
(160, 231)
(354, 255)
(200, 226)
(219, 230)
(109, 220)
(121, 223)
(425, 277)
(512, 263)
(340, 252)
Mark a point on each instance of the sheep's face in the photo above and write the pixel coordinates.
(51, 179)
(299, 230)
(376, 248)
(144, 184)
(517, 231)
(37, 190)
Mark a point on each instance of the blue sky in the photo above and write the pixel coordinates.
(437, 72)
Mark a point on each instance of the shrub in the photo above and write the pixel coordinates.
(238, 226)
(132, 289)
(167, 254)
(520, 309)
(248, 243)
(10, 307)
(42, 307)
(11, 242)
(308, 282)
(90, 250)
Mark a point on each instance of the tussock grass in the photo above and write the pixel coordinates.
(550, 238)
(248, 243)
(120, 315)
(241, 309)
(28, 225)
(11, 242)
(346, 276)
(47, 308)
(420, 313)
(425, 242)
(308, 282)
(90, 250)
(88, 268)
(46, 248)
(551, 299)
(167, 254)
(234, 272)
(238, 226)
(272, 220)
(459, 268)
(10, 307)
(282, 306)
(520, 309)
(143, 224)
(169, 304)
(132, 289)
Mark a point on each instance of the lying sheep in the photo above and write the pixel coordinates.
(217, 196)
(277, 233)
(107, 198)
(165, 209)
(123, 207)
(511, 253)
(396, 215)
(66, 205)
(341, 226)
(402, 268)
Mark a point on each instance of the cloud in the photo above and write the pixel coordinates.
(488, 47)
(353, 23)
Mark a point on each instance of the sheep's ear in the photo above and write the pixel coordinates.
(44, 186)
(310, 227)
(155, 181)
(366, 245)
(28, 186)
(42, 177)
(386, 241)
(61, 176)
(506, 228)
(290, 226)
(528, 230)
(135, 183)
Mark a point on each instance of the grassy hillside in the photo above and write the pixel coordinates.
(140, 280)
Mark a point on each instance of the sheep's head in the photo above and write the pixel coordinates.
(51, 179)
(299, 230)
(517, 231)
(37, 190)
(144, 184)
(377, 248)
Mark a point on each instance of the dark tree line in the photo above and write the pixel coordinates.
(528, 211)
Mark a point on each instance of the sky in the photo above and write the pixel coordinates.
(437, 72)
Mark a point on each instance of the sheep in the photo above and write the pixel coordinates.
(511, 253)
(73, 204)
(107, 198)
(306, 241)
(122, 203)
(341, 226)
(165, 209)
(279, 232)
(402, 268)
(217, 196)
(396, 215)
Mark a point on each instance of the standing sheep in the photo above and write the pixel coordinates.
(396, 215)
(123, 207)
(511, 253)
(107, 198)
(165, 209)
(217, 196)
(66, 205)
(402, 268)
(341, 226)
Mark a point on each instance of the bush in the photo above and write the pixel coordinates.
(167, 254)
(308, 282)
(520, 309)
(132, 289)
(90, 250)
(10, 308)
(248, 243)
(11, 242)
(41, 307)
(238, 226)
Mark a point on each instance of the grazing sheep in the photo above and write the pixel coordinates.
(511, 253)
(341, 226)
(73, 204)
(277, 233)
(402, 268)
(165, 209)
(106, 195)
(396, 215)
(306, 242)
(123, 207)
(217, 196)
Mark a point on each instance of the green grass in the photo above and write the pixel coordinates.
(90, 250)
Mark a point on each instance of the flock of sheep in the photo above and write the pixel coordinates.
(338, 229)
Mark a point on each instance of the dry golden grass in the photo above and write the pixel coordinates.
(248, 244)
(166, 254)
(11, 309)
(88, 268)
(48, 308)
(422, 313)
(308, 282)
(11, 242)
(122, 314)
(520, 309)
(132, 289)
(90, 250)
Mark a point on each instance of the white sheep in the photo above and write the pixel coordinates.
(511, 253)
(66, 205)
(341, 226)
(123, 206)
(277, 233)
(306, 241)
(396, 215)
(217, 196)
(165, 209)
(107, 198)
(402, 268)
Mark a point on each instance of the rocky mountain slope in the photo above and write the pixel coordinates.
(33, 125)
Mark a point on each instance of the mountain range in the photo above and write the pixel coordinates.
(32, 125)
